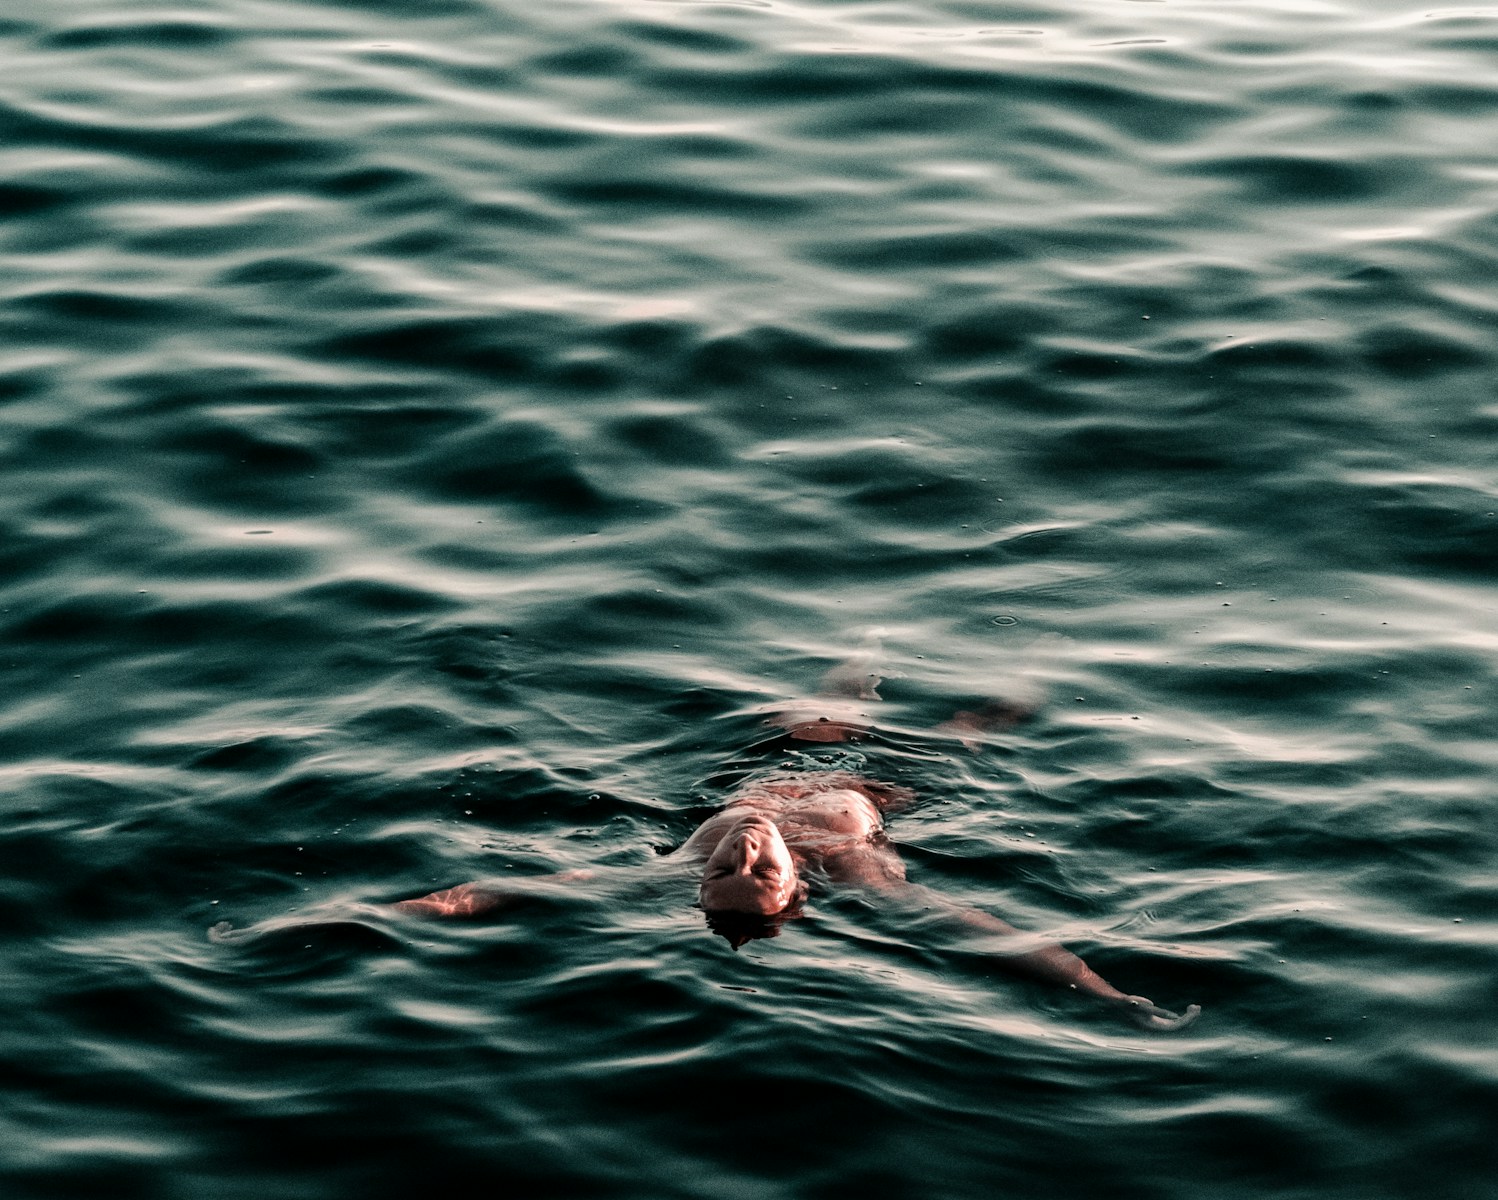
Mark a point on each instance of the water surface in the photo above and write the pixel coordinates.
(431, 434)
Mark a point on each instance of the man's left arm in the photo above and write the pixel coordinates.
(879, 868)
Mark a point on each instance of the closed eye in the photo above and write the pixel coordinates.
(764, 872)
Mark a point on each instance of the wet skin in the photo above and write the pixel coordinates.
(750, 870)
(769, 834)
(757, 853)
(756, 850)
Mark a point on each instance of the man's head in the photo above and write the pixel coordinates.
(750, 871)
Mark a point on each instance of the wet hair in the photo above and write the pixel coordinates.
(736, 928)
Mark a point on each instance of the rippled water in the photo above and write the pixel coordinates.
(431, 433)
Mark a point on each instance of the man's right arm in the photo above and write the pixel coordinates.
(454, 903)
(476, 899)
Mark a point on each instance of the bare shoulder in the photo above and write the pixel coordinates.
(886, 797)
(873, 863)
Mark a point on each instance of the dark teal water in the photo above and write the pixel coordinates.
(431, 431)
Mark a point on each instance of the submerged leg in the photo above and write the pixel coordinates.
(838, 712)
(859, 677)
(971, 726)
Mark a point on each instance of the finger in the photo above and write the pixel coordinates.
(1162, 1019)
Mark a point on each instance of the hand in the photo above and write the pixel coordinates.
(1149, 1015)
(336, 917)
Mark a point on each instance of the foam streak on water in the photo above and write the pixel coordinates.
(432, 437)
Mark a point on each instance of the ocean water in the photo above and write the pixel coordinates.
(431, 435)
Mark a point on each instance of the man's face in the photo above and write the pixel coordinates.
(750, 871)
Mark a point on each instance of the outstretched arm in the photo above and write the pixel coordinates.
(464, 900)
(880, 868)
(1056, 964)
(476, 899)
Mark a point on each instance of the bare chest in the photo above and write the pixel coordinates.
(815, 825)
(839, 814)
